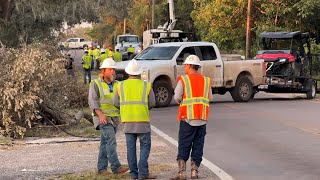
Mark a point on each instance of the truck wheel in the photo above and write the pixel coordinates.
(163, 92)
(84, 46)
(243, 90)
(311, 94)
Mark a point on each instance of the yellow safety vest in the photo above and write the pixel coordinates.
(110, 54)
(131, 49)
(96, 53)
(106, 104)
(87, 61)
(90, 52)
(103, 57)
(117, 57)
(134, 100)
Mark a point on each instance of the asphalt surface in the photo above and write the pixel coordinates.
(275, 136)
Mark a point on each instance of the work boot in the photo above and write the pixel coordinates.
(121, 170)
(194, 170)
(182, 171)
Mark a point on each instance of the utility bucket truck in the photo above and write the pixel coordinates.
(124, 41)
(164, 33)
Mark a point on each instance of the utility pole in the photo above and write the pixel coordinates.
(124, 26)
(152, 15)
(248, 29)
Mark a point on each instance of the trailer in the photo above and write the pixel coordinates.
(288, 62)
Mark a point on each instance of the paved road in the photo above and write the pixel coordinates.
(271, 137)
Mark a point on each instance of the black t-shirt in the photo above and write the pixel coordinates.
(68, 63)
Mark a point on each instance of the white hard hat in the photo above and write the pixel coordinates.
(133, 68)
(108, 63)
(192, 59)
(98, 47)
(103, 50)
(86, 50)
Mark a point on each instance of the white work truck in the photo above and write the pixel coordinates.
(163, 64)
(74, 43)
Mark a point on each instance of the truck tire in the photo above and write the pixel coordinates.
(311, 94)
(85, 46)
(243, 90)
(163, 92)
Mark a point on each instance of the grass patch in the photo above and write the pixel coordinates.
(92, 175)
(5, 140)
(156, 169)
(84, 128)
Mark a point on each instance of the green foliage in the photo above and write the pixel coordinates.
(224, 21)
(39, 19)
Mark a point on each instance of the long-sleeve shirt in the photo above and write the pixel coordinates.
(178, 96)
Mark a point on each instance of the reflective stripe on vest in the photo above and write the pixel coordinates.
(106, 104)
(87, 62)
(189, 101)
(133, 95)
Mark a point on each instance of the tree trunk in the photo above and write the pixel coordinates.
(6, 8)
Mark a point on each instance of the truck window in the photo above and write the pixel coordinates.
(184, 54)
(129, 39)
(82, 40)
(158, 53)
(208, 53)
(72, 40)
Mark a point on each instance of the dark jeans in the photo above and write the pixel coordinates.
(108, 148)
(142, 168)
(191, 138)
(87, 73)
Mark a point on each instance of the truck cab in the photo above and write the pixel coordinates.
(163, 64)
(123, 42)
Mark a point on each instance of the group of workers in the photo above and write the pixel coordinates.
(94, 57)
(129, 102)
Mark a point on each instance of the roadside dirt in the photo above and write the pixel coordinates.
(47, 158)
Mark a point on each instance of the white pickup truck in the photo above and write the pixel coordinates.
(74, 43)
(162, 64)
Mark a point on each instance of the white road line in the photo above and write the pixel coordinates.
(215, 169)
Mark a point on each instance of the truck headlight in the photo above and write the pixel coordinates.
(283, 60)
(145, 75)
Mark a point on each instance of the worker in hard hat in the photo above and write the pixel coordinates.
(86, 64)
(130, 50)
(106, 117)
(135, 97)
(193, 93)
(110, 52)
(117, 56)
(103, 55)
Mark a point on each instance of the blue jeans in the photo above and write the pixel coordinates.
(87, 73)
(191, 138)
(108, 148)
(142, 168)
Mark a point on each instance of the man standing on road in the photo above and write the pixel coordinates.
(193, 93)
(86, 64)
(135, 97)
(106, 117)
(130, 51)
(68, 66)
(117, 56)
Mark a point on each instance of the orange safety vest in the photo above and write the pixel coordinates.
(195, 102)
